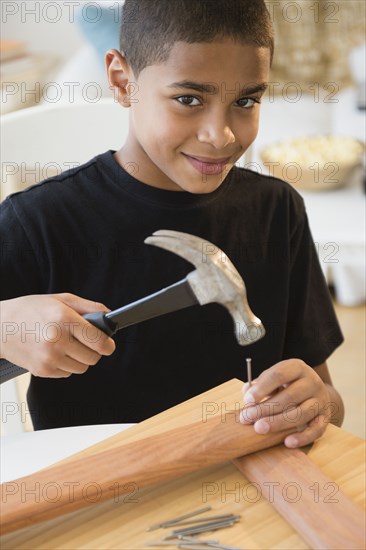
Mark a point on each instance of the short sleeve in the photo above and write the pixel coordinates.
(21, 273)
(312, 331)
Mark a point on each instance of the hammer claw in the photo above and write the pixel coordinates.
(187, 246)
(197, 251)
(177, 240)
(215, 279)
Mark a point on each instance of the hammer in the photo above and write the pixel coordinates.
(215, 279)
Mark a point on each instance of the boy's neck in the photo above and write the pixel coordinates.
(125, 159)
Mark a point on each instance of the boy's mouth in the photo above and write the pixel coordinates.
(209, 166)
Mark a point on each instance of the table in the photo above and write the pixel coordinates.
(121, 524)
(24, 453)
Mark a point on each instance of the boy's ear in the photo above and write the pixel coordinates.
(119, 76)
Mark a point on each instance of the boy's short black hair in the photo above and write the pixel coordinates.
(151, 27)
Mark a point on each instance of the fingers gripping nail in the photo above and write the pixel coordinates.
(250, 414)
(249, 398)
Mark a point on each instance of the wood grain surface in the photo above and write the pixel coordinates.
(109, 473)
(309, 500)
(121, 522)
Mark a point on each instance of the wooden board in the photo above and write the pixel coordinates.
(324, 516)
(121, 523)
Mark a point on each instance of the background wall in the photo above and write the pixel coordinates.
(44, 26)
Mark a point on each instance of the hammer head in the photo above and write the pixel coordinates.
(215, 279)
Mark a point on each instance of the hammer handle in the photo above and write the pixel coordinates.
(9, 370)
(172, 298)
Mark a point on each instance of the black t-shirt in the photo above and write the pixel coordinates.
(83, 232)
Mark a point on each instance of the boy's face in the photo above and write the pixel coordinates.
(195, 115)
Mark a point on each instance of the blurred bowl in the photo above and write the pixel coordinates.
(314, 163)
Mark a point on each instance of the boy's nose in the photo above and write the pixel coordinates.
(217, 132)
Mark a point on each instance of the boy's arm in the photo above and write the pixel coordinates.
(337, 406)
(47, 335)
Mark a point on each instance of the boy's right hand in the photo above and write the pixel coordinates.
(47, 335)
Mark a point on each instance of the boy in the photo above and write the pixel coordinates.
(192, 73)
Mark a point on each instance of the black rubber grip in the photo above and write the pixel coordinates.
(172, 298)
(9, 371)
(99, 320)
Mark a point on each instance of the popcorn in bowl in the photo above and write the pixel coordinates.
(314, 163)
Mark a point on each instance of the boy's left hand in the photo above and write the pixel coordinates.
(289, 394)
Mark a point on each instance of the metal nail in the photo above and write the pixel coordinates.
(200, 529)
(200, 520)
(186, 540)
(205, 544)
(193, 540)
(185, 516)
(206, 525)
(224, 547)
(192, 547)
(189, 543)
(158, 543)
(249, 370)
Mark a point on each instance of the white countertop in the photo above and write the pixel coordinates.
(25, 453)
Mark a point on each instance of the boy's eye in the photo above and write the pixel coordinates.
(187, 100)
(247, 102)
